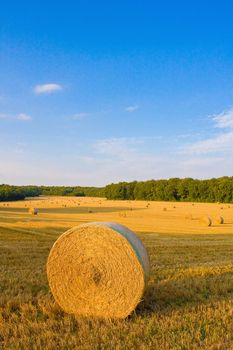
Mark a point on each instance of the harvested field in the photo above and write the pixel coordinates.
(188, 303)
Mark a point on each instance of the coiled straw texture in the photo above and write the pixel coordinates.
(98, 269)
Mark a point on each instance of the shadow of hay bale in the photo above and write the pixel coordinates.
(218, 220)
(178, 293)
(205, 221)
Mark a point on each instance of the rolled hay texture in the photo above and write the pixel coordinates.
(33, 211)
(99, 269)
(218, 220)
(205, 221)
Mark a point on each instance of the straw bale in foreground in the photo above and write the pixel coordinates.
(98, 269)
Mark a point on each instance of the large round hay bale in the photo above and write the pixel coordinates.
(99, 269)
(218, 220)
(205, 221)
(33, 211)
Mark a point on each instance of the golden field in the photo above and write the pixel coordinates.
(189, 300)
(140, 216)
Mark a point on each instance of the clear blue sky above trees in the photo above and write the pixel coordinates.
(93, 92)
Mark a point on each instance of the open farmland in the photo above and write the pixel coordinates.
(189, 300)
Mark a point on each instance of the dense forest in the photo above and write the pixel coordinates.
(77, 191)
(174, 189)
(12, 193)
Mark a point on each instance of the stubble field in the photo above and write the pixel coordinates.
(189, 300)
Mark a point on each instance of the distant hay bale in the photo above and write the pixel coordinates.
(205, 221)
(33, 211)
(99, 269)
(164, 209)
(218, 220)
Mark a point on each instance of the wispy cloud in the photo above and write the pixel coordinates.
(219, 143)
(47, 88)
(125, 159)
(224, 119)
(79, 116)
(120, 147)
(24, 117)
(132, 109)
(21, 116)
(114, 160)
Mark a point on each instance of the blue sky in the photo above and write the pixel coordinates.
(94, 92)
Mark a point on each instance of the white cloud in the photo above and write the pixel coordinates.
(219, 143)
(24, 169)
(47, 88)
(120, 147)
(131, 109)
(21, 116)
(222, 142)
(124, 160)
(188, 135)
(113, 160)
(79, 116)
(224, 119)
(24, 117)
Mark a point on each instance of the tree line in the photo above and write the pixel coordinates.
(12, 193)
(77, 191)
(174, 189)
